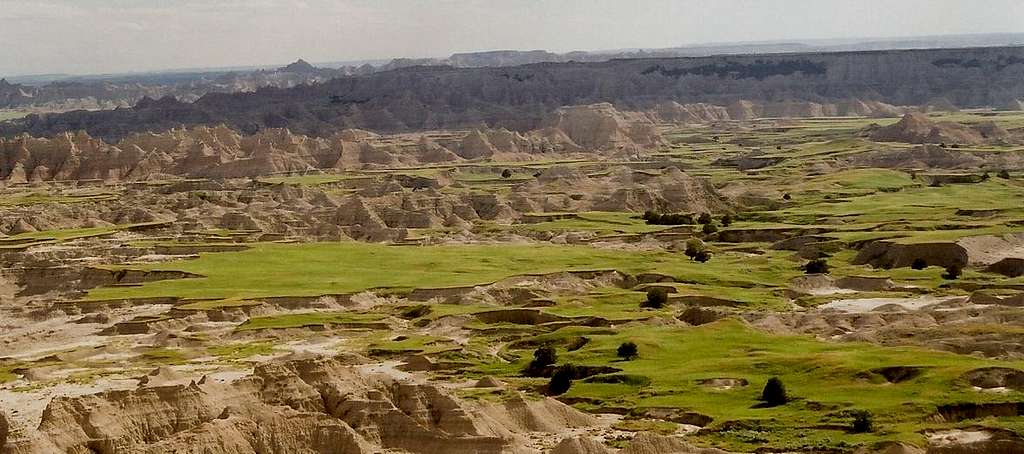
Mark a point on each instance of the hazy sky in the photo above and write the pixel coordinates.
(92, 36)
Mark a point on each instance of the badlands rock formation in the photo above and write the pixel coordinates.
(374, 209)
(315, 406)
(219, 152)
(521, 98)
(916, 127)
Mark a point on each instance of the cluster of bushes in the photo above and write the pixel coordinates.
(563, 375)
(653, 218)
(703, 219)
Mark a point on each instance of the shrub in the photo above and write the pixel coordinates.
(702, 256)
(561, 380)
(627, 351)
(774, 393)
(656, 298)
(952, 272)
(726, 220)
(919, 264)
(863, 422)
(542, 358)
(709, 228)
(507, 173)
(545, 356)
(694, 246)
(704, 218)
(1004, 174)
(786, 196)
(816, 266)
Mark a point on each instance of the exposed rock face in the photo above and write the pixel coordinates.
(522, 98)
(602, 127)
(320, 406)
(916, 127)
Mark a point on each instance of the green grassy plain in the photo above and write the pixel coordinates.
(271, 269)
(825, 379)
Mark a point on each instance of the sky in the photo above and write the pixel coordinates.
(113, 36)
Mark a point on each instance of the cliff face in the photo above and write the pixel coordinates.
(523, 97)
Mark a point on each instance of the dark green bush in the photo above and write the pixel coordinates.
(627, 351)
(774, 393)
(561, 380)
(952, 272)
(863, 422)
(816, 266)
(656, 298)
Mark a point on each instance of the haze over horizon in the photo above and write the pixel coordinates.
(111, 36)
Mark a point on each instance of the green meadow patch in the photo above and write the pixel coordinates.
(271, 269)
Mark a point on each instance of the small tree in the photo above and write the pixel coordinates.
(786, 196)
(726, 220)
(952, 272)
(709, 228)
(561, 380)
(702, 256)
(656, 298)
(816, 266)
(1004, 174)
(863, 422)
(774, 393)
(919, 264)
(507, 173)
(627, 351)
(704, 218)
